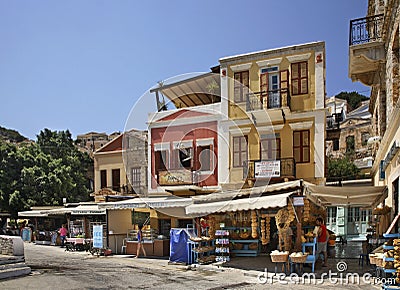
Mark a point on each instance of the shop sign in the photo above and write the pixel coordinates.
(298, 200)
(392, 152)
(98, 236)
(264, 169)
(175, 177)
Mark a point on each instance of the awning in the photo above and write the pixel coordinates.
(248, 203)
(79, 210)
(363, 196)
(148, 202)
(193, 91)
(252, 192)
(33, 213)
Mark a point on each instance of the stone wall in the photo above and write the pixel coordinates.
(11, 246)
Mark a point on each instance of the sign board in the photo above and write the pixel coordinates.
(26, 234)
(263, 169)
(98, 236)
(298, 200)
(175, 177)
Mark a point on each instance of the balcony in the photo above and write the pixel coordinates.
(333, 121)
(175, 177)
(279, 168)
(272, 99)
(366, 51)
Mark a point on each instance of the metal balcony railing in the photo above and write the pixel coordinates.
(367, 29)
(333, 121)
(287, 168)
(271, 99)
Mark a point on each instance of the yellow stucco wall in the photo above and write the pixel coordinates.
(300, 105)
(120, 220)
(304, 102)
(109, 162)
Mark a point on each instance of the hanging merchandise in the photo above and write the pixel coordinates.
(265, 229)
(254, 233)
(283, 220)
(211, 230)
(306, 212)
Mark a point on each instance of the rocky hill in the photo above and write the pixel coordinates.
(10, 135)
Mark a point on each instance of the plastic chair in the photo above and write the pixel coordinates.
(311, 259)
(123, 247)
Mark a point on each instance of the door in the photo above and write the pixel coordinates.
(116, 183)
(274, 100)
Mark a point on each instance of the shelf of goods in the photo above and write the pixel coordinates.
(222, 246)
(203, 249)
(242, 243)
(390, 264)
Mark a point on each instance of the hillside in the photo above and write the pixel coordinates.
(11, 135)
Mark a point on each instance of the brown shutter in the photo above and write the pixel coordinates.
(284, 86)
(264, 84)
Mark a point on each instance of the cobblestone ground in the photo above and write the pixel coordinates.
(53, 268)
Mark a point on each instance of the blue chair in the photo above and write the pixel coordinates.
(311, 259)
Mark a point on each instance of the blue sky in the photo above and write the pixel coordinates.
(81, 65)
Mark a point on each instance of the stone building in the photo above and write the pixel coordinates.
(374, 60)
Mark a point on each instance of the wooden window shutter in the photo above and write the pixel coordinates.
(284, 86)
(264, 84)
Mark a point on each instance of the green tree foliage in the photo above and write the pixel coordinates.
(42, 173)
(341, 169)
(353, 99)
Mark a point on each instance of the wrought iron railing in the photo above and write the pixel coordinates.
(268, 99)
(287, 168)
(367, 29)
(333, 121)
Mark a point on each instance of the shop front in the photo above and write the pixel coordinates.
(157, 215)
(255, 221)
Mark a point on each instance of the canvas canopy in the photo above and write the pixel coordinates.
(148, 202)
(252, 192)
(247, 203)
(363, 196)
(79, 210)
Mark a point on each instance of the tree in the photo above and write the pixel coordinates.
(42, 173)
(342, 169)
(353, 99)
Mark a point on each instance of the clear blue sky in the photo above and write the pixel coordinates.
(81, 65)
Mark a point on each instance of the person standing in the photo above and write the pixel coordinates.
(140, 243)
(63, 235)
(322, 241)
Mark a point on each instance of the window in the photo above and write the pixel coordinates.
(335, 144)
(353, 214)
(350, 146)
(273, 86)
(270, 148)
(364, 138)
(161, 160)
(204, 158)
(239, 151)
(332, 214)
(366, 215)
(301, 146)
(183, 158)
(103, 178)
(299, 78)
(135, 177)
(164, 227)
(140, 218)
(241, 86)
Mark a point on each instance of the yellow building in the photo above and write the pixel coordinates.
(275, 100)
(374, 61)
